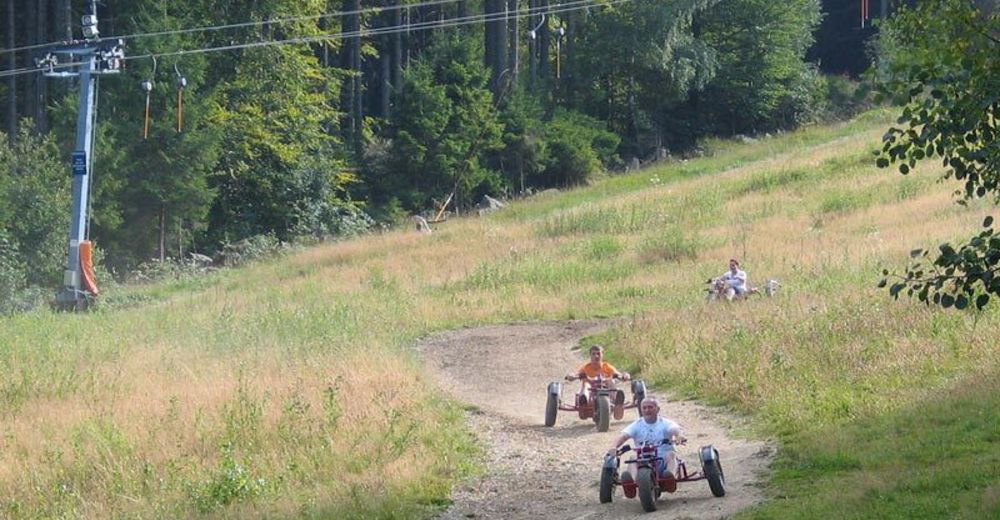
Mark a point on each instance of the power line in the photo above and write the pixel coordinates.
(289, 20)
(451, 22)
(210, 28)
(575, 5)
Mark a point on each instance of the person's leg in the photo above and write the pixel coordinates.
(627, 478)
(668, 468)
(671, 462)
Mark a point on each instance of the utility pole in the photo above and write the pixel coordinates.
(91, 57)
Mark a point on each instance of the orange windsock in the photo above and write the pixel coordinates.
(87, 267)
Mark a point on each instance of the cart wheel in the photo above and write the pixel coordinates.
(716, 480)
(647, 489)
(711, 466)
(607, 485)
(602, 413)
(551, 409)
(638, 394)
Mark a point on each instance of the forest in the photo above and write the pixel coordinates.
(274, 121)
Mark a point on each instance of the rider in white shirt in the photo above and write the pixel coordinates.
(653, 428)
(736, 277)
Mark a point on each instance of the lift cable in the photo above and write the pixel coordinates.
(575, 5)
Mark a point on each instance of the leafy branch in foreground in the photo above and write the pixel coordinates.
(956, 277)
(940, 65)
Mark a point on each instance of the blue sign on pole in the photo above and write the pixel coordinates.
(79, 163)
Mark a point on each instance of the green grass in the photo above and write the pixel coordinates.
(936, 458)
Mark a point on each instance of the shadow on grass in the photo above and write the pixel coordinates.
(937, 458)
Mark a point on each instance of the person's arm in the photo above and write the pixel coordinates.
(579, 374)
(613, 450)
(616, 373)
(676, 435)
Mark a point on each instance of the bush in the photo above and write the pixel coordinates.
(578, 146)
(803, 100)
(35, 206)
(12, 274)
(249, 249)
(672, 246)
(846, 97)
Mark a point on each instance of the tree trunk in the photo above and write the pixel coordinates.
(544, 43)
(568, 47)
(500, 44)
(357, 108)
(384, 86)
(351, 61)
(28, 27)
(406, 38)
(515, 39)
(63, 20)
(396, 77)
(10, 43)
(490, 53)
(532, 46)
(41, 82)
(496, 43)
(163, 234)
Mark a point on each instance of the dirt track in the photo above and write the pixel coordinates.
(539, 472)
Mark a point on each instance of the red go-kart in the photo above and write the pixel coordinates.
(600, 402)
(648, 484)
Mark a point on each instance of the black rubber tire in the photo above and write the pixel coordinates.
(602, 413)
(551, 409)
(639, 396)
(647, 489)
(713, 474)
(607, 485)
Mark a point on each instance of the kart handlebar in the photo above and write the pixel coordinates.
(628, 447)
(623, 377)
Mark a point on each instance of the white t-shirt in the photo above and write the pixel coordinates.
(737, 281)
(641, 431)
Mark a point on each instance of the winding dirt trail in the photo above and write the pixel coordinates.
(538, 472)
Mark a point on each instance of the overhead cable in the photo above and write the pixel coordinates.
(210, 28)
(575, 5)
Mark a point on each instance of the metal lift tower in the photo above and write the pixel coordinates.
(91, 57)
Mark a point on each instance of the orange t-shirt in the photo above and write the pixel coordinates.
(606, 369)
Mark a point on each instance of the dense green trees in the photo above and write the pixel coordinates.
(762, 82)
(940, 63)
(290, 140)
(34, 222)
(445, 121)
(640, 60)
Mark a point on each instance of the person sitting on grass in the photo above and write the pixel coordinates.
(735, 278)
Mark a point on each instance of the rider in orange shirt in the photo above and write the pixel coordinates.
(596, 366)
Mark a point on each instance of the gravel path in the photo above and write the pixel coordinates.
(539, 472)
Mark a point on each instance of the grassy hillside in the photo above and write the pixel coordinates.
(288, 389)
